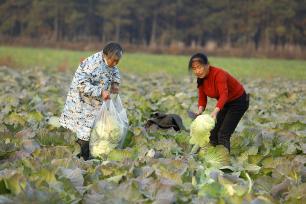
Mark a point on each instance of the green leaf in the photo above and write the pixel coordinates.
(297, 194)
(35, 116)
(215, 156)
(13, 180)
(252, 168)
(120, 155)
(213, 190)
(15, 119)
(47, 175)
(75, 176)
(255, 159)
(6, 149)
(115, 179)
(294, 126)
(171, 170)
(263, 185)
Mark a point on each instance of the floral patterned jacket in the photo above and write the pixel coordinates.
(84, 96)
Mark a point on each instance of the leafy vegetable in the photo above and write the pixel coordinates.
(38, 162)
(215, 156)
(200, 130)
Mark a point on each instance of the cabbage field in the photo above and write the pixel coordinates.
(38, 162)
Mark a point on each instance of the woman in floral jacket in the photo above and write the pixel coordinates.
(92, 83)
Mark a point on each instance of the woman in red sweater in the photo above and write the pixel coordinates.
(232, 99)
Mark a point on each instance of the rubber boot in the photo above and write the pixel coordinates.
(84, 149)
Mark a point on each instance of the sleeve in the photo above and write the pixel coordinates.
(85, 82)
(202, 98)
(116, 76)
(221, 82)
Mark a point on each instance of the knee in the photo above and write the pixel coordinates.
(213, 141)
(224, 139)
(223, 135)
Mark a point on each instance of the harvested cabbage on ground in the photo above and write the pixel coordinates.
(200, 130)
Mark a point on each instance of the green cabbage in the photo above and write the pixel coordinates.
(215, 156)
(120, 154)
(101, 148)
(200, 130)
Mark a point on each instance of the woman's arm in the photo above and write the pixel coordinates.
(86, 84)
(202, 100)
(116, 76)
(200, 110)
(221, 83)
(116, 81)
(215, 113)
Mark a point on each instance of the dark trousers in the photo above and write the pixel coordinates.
(227, 120)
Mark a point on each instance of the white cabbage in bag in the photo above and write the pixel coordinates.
(110, 128)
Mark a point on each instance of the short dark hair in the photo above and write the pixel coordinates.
(202, 59)
(198, 57)
(113, 49)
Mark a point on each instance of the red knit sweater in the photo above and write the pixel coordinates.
(220, 85)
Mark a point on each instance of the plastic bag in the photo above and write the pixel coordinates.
(123, 117)
(110, 127)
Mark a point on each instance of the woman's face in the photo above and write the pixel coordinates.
(111, 61)
(200, 70)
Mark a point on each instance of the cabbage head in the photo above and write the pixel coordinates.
(102, 148)
(217, 156)
(200, 130)
(109, 130)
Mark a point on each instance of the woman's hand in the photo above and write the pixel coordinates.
(105, 95)
(200, 110)
(215, 113)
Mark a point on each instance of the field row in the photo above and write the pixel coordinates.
(140, 63)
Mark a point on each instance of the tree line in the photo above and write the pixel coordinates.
(258, 23)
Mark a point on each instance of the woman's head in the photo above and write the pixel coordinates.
(199, 65)
(112, 53)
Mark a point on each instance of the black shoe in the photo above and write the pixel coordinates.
(84, 149)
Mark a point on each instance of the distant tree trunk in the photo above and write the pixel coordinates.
(103, 33)
(142, 33)
(266, 40)
(56, 24)
(257, 38)
(228, 29)
(20, 29)
(247, 40)
(90, 20)
(153, 32)
(55, 31)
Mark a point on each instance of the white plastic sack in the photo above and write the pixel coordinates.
(110, 127)
(123, 117)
